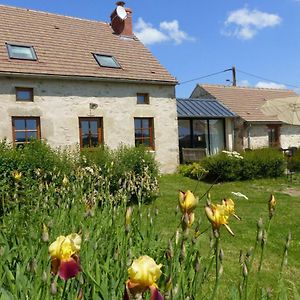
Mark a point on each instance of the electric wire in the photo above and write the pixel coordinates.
(243, 72)
(205, 76)
(263, 78)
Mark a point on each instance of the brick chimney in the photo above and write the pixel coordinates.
(122, 26)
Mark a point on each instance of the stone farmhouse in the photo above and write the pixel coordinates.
(73, 82)
(251, 128)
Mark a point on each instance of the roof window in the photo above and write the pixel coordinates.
(106, 61)
(21, 52)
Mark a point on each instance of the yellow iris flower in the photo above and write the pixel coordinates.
(229, 204)
(143, 275)
(17, 175)
(272, 204)
(218, 215)
(64, 256)
(187, 201)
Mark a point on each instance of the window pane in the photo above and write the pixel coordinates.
(145, 123)
(93, 127)
(24, 95)
(85, 127)
(31, 124)
(21, 52)
(90, 134)
(138, 123)
(199, 133)
(146, 133)
(146, 143)
(107, 61)
(138, 133)
(85, 140)
(184, 131)
(20, 124)
(143, 133)
(142, 98)
(31, 135)
(94, 140)
(216, 136)
(20, 137)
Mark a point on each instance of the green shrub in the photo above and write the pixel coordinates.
(194, 170)
(261, 163)
(223, 166)
(294, 161)
(231, 166)
(133, 169)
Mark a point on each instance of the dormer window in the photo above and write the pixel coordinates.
(106, 61)
(21, 52)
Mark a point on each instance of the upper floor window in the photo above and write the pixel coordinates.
(142, 98)
(144, 132)
(90, 131)
(25, 129)
(106, 61)
(21, 52)
(24, 94)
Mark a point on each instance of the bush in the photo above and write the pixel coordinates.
(223, 166)
(133, 169)
(34, 156)
(194, 170)
(231, 166)
(294, 161)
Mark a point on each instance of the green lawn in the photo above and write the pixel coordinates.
(258, 191)
(108, 250)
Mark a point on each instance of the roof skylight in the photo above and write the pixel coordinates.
(21, 52)
(106, 61)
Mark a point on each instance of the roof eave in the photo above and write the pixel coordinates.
(87, 78)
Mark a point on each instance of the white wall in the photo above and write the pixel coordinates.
(59, 103)
(289, 136)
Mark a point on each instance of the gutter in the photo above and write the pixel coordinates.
(86, 78)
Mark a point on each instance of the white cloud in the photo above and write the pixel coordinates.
(168, 31)
(173, 31)
(244, 83)
(245, 24)
(270, 85)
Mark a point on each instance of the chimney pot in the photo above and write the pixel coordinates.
(119, 26)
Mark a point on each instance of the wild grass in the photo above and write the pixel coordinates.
(33, 217)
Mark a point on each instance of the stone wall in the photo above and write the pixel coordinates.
(289, 136)
(59, 104)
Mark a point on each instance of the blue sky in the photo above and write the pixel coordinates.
(195, 38)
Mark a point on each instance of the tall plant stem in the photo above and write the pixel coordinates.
(264, 246)
(214, 294)
(64, 290)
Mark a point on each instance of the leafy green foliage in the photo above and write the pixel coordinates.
(194, 170)
(294, 161)
(260, 163)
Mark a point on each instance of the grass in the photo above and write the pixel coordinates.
(286, 220)
(107, 251)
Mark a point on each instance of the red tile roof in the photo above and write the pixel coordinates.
(64, 47)
(244, 101)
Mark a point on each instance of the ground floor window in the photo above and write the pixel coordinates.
(25, 129)
(144, 132)
(90, 132)
(274, 135)
(208, 134)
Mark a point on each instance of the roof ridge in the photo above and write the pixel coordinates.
(50, 13)
(243, 87)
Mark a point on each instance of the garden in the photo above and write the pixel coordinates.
(104, 224)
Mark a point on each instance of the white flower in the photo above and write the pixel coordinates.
(238, 194)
